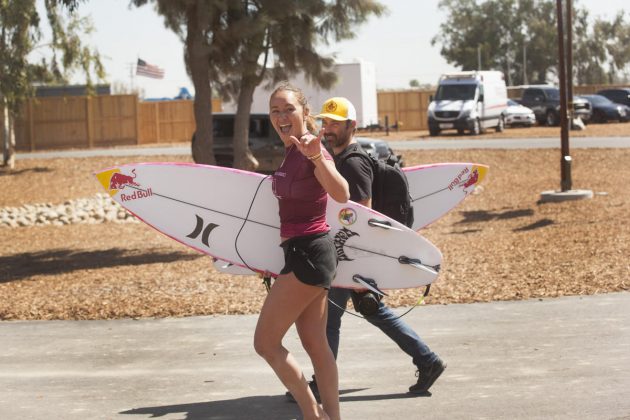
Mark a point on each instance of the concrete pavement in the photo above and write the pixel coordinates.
(564, 358)
(425, 144)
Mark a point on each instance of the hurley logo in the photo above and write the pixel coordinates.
(340, 241)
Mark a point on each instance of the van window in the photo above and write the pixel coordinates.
(463, 92)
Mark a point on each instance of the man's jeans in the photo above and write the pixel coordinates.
(385, 319)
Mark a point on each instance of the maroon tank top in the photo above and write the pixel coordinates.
(301, 198)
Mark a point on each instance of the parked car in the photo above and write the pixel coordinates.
(517, 114)
(618, 95)
(605, 110)
(545, 102)
(468, 101)
(265, 143)
(378, 148)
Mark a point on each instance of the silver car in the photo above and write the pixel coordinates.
(518, 115)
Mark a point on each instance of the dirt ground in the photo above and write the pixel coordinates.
(499, 244)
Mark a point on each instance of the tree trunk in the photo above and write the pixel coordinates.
(8, 137)
(243, 157)
(198, 55)
(10, 162)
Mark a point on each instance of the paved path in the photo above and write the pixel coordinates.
(565, 358)
(533, 143)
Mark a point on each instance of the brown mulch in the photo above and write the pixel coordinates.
(500, 244)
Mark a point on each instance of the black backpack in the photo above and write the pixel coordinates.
(390, 189)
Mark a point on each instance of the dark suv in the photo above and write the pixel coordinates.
(620, 95)
(265, 143)
(545, 102)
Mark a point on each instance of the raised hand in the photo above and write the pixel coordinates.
(309, 145)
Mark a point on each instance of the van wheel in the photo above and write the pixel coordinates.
(476, 128)
(434, 131)
(500, 125)
(551, 118)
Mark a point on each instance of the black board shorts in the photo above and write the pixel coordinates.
(312, 258)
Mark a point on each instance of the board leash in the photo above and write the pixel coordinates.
(418, 303)
(266, 278)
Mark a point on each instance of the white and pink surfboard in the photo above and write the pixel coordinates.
(232, 215)
(438, 188)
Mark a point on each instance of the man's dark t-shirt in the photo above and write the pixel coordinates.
(357, 171)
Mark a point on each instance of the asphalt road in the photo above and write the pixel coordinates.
(565, 358)
(532, 143)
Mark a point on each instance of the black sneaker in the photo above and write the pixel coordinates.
(313, 385)
(427, 376)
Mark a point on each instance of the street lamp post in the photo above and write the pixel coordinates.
(565, 162)
(565, 64)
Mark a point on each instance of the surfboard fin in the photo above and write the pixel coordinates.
(364, 282)
(418, 264)
(382, 224)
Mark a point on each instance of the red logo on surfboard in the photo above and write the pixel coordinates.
(114, 180)
(119, 180)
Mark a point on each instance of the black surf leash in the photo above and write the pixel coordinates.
(418, 303)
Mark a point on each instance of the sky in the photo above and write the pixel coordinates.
(399, 43)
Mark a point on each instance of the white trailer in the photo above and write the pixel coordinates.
(355, 81)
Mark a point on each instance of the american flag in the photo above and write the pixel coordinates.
(149, 70)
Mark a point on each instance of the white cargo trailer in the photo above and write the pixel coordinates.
(355, 81)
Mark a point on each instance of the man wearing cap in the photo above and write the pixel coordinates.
(339, 119)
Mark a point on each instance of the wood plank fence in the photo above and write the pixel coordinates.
(102, 121)
(115, 120)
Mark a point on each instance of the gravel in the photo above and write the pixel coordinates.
(98, 209)
(501, 244)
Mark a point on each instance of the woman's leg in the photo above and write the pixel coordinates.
(311, 327)
(285, 302)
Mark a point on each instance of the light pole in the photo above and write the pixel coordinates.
(565, 65)
(565, 162)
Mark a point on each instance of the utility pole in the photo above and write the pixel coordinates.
(479, 57)
(565, 163)
(564, 66)
(525, 82)
(570, 60)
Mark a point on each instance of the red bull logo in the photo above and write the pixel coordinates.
(136, 195)
(119, 180)
(347, 216)
(113, 180)
(458, 179)
(472, 179)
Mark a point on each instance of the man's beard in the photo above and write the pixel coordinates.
(336, 141)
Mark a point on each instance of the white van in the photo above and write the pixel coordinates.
(468, 101)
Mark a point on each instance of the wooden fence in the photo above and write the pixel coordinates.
(102, 121)
(114, 120)
(407, 108)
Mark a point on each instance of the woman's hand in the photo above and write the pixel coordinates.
(308, 144)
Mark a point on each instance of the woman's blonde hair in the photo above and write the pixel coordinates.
(311, 125)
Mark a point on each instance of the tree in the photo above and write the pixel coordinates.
(507, 31)
(19, 36)
(236, 39)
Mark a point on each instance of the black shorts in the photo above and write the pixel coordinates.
(312, 258)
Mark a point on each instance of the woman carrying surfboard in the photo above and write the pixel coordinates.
(299, 294)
